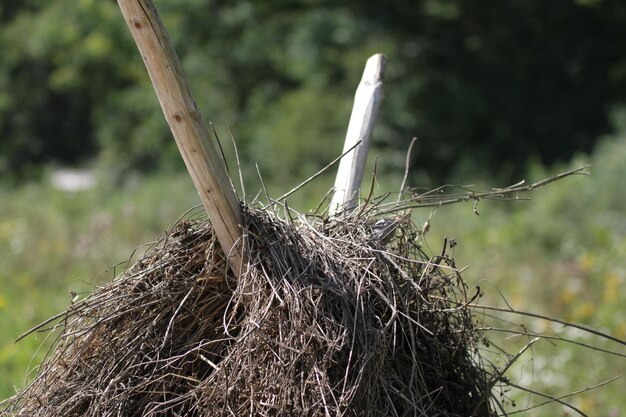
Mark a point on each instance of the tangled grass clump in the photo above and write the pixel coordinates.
(330, 318)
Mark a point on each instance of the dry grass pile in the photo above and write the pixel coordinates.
(333, 318)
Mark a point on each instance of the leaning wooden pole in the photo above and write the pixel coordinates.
(367, 100)
(203, 162)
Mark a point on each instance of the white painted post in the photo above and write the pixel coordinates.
(367, 100)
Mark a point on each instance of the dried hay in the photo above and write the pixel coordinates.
(332, 318)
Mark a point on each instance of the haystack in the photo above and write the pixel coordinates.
(327, 321)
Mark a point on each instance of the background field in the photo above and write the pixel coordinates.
(560, 255)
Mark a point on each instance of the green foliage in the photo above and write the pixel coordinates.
(52, 242)
(501, 82)
(509, 81)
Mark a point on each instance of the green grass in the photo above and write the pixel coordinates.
(561, 255)
(53, 242)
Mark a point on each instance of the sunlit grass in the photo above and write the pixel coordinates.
(560, 255)
(53, 242)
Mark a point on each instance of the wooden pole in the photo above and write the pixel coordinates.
(367, 100)
(203, 162)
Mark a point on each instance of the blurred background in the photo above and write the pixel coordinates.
(495, 92)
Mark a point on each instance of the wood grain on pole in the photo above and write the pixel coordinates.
(203, 162)
(367, 100)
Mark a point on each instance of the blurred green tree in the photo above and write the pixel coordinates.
(498, 83)
(483, 84)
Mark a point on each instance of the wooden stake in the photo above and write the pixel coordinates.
(203, 162)
(367, 100)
